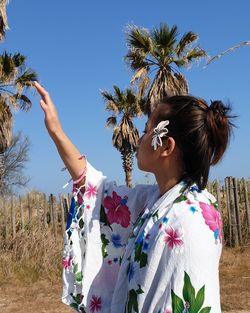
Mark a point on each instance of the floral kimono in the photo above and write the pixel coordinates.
(133, 250)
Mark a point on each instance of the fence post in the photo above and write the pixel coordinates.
(62, 213)
(30, 210)
(247, 205)
(237, 209)
(52, 214)
(13, 217)
(233, 213)
(21, 212)
(5, 211)
(228, 210)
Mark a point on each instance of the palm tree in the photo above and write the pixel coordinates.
(123, 104)
(159, 51)
(15, 80)
(3, 19)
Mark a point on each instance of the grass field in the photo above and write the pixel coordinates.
(30, 270)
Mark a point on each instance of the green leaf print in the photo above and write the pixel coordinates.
(188, 290)
(143, 260)
(207, 309)
(199, 300)
(191, 302)
(78, 277)
(132, 303)
(74, 306)
(138, 248)
(140, 257)
(81, 223)
(77, 298)
(103, 217)
(75, 268)
(105, 242)
(180, 199)
(177, 303)
(139, 290)
(155, 216)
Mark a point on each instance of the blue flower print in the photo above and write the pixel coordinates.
(131, 271)
(193, 209)
(115, 260)
(165, 220)
(145, 246)
(116, 240)
(140, 238)
(216, 234)
(195, 189)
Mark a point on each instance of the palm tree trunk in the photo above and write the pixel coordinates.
(6, 121)
(1, 172)
(127, 165)
(3, 19)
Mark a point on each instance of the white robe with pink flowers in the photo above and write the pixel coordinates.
(132, 250)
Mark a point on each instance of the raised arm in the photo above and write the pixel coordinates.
(69, 154)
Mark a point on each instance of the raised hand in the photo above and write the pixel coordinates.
(51, 119)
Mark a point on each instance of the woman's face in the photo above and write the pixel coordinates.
(145, 154)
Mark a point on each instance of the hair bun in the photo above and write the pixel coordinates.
(217, 106)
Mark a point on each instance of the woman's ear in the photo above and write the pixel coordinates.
(168, 147)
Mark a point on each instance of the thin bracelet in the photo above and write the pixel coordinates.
(81, 175)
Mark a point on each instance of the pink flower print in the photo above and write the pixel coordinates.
(118, 212)
(172, 238)
(212, 219)
(147, 237)
(95, 304)
(167, 311)
(91, 191)
(67, 262)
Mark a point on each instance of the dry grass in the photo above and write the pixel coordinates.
(235, 279)
(33, 255)
(30, 275)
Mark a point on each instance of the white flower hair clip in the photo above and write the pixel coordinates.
(159, 131)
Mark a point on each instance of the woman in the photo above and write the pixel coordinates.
(150, 249)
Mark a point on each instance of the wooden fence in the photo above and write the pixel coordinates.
(18, 214)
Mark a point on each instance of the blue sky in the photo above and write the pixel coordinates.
(77, 48)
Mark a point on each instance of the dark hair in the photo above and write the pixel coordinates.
(201, 132)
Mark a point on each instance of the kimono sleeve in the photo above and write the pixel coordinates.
(83, 258)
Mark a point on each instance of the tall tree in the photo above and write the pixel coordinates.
(155, 57)
(3, 19)
(14, 159)
(15, 80)
(123, 105)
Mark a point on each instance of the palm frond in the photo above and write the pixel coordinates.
(184, 42)
(245, 43)
(136, 59)
(23, 102)
(18, 59)
(26, 79)
(195, 53)
(8, 70)
(164, 38)
(139, 39)
(111, 121)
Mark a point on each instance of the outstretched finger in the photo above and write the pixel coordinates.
(43, 92)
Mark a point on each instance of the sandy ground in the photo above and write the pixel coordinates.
(44, 296)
